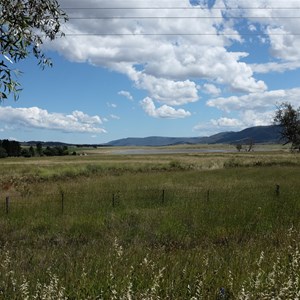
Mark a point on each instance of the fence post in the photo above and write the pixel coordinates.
(7, 204)
(277, 190)
(62, 201)
(163, 197)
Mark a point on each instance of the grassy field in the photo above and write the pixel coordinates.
(173, 226)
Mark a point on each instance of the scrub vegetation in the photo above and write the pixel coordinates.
(174, 226)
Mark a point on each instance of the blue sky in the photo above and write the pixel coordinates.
(146, 68)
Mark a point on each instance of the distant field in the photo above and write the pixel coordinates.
(225, 147)
(173, 226)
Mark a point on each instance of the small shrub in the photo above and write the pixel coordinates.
(175, 164)
(231, 163)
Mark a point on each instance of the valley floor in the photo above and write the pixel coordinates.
(164, 226)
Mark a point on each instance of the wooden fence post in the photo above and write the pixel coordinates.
(163, 197)
(62, 201)
(277, 190)
(7, 204)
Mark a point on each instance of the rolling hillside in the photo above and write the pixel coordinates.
(259, 134)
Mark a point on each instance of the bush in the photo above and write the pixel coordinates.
(239, 147)
(25, 153)
(3, 153)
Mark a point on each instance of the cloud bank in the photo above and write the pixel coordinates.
(163, 64)
(34, 117)
(167, 57)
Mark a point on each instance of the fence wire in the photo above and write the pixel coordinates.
(104, 200)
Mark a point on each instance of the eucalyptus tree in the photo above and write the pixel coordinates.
(288, 118)
(24, 26)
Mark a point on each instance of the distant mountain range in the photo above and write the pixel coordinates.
(259, 134)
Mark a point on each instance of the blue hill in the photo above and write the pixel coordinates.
(258, 134)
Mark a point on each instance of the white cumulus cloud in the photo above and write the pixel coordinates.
(168, 91)
(279, 67)
(226, 122)
(115, 117)
(156, 53)
(254, 109)
(165, 111)
(256, 101)
(248, 118)
(219, 125)
(34, 117)
(281, 25)
(211, 89)
(160, 56)
(126, 94)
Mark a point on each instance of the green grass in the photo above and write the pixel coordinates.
(144, 227)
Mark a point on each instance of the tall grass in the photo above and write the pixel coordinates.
(272, 277)
(58, 168)
(163, 230)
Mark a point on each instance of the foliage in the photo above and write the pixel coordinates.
(289, 119)
(56, 151)
(3, 152)
(31, 151)
(24, 26)
(12, 148)
(239, 147)
(25, 152)
(39, 149)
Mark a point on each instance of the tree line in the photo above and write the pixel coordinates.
(14, 149)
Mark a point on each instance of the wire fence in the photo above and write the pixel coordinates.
(72, 202)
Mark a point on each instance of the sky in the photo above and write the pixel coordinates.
(143, 68)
